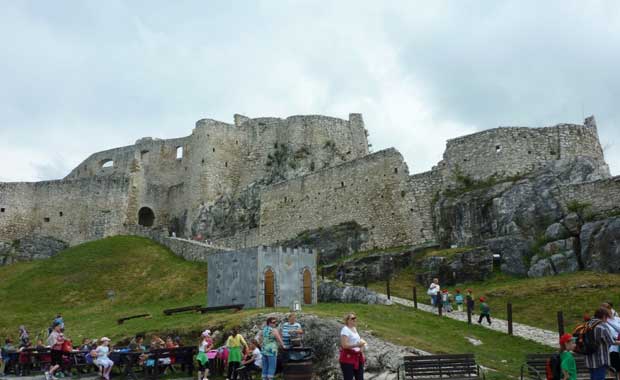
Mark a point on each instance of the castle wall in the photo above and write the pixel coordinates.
(602, 195)
(372, 191)
(16, 211)
(509, 151)
(425, 188)
(72, 211)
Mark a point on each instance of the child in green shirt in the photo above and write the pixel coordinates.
(569, 367)
(485, 311)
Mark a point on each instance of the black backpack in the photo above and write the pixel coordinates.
(553, 368)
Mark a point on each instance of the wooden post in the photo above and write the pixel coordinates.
(387, 284)
(509, 317)
(440, 307)
(415, 297)
(469, 313)
(560, 323)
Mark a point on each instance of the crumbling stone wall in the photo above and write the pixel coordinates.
(372, 191)
(510, 151)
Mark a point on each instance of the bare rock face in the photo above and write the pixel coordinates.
(336, 292)
(472, 265)
(513, 217)
(600, 245)
(30, 248)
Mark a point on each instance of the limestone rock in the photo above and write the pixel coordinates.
(336, 292)
(513, 251)
(600, 245)
(556, 231)
(30, 248)
(572, 222)
(472, 265)
(557, 257)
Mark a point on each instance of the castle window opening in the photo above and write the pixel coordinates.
(46, 220)
(213, 150)
(395, 170)
(107, 163)
(179, 152)
(2, 209)
(529, 152)
(144, 154)
(146, 217)
(60, 213)
(552, 153)
(341, 184)
(498, 148)
(203, 161)
(402, 193)
(226, 164)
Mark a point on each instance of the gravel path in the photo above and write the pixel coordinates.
(546, 337)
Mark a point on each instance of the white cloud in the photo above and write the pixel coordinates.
(83, 77)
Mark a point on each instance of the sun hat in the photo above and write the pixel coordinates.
(566, 338)
(207, 332)
(104, 339)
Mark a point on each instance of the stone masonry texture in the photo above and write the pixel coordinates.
(269, 181)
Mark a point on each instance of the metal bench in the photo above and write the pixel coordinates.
(535, 368)
(433, 367)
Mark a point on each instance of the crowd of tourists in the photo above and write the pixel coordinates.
(598, 339)
(242, 358)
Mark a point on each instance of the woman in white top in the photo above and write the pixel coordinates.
(351, 350)
(103, 360)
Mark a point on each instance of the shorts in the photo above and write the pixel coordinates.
(57, 357)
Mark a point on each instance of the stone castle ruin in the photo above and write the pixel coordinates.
(303, 181)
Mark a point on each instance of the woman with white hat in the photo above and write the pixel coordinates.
(206, 343)
(103, 360)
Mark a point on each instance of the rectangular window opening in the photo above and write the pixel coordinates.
(179, 152)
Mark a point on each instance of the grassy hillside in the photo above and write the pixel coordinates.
(147, 278)
(535, 301)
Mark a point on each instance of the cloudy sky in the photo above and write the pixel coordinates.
(82, 76)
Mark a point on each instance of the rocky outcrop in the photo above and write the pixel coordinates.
(323, 336)
(600, 245)
(334, 242)
(525, 221)
(331, 291)
(376, 266)
(472, 265)
(30, 248)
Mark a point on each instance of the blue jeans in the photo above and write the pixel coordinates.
(269, 366)
(598, 373)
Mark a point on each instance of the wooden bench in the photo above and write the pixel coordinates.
(535, 368)
(183, 356)
(433, 367)
(182, 309)
(218, 308)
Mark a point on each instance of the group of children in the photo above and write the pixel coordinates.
(444, 299)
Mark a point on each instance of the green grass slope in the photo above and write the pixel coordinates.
(535, 301)
(147, 278)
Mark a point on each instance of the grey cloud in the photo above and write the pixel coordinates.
(79, 77)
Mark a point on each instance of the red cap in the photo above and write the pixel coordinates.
(482, 299)
(445, 290)
(566, 338)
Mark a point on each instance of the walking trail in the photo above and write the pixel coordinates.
(542, 336)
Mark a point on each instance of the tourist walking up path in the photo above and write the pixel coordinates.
(542, 336)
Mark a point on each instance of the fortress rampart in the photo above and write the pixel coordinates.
(269, 180)
(509, 151)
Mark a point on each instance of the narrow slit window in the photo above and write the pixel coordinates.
(498, 148)
(179, 152)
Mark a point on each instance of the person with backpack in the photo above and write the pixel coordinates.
(485, 311)
(594, 340)
(613, 324)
